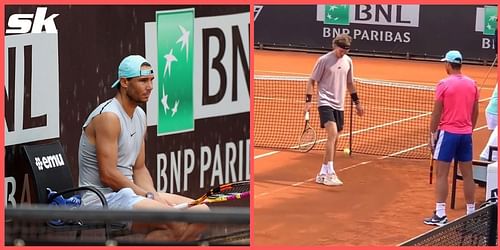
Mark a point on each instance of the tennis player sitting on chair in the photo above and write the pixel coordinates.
(112, 155)
(333, 73)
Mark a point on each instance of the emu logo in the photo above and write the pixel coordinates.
(49, 162)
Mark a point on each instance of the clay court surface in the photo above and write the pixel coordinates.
(383, 200)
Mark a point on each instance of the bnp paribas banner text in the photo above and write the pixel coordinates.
(425, 31)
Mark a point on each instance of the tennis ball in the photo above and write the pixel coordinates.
(347, 151)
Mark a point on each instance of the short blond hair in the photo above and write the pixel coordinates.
(343, 41)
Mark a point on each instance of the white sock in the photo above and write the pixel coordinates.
(471, 208)
(330, 168)
(440, 209)
(324, 169)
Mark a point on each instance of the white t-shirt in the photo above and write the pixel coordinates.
(332, 75)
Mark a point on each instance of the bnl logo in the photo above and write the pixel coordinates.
(388, 14)
(337, 14)
(175, 70)
(490, 20)
(215, 84)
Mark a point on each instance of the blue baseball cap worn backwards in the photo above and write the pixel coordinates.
(453, 56)
(130, 66)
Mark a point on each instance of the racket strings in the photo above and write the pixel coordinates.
(236, 189)
(307, 139)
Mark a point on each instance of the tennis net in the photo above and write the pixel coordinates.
(395, 123)
(48, 225)
(476, 229)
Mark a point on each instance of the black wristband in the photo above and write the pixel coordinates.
(309, 97)
(355, 98)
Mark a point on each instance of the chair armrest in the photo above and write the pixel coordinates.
(88, 188)
(481, 163)
(98, 193)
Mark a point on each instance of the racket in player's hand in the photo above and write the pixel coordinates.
(308, 137)
(432, 141)
(360, 111)
(224, 192)
(431, 168)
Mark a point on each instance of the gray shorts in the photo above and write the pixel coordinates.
(123, 199)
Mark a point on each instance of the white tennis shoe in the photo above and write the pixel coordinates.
(332, 180)
(320, 178)
(328, 179)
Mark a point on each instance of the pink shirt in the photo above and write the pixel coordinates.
(458, 94)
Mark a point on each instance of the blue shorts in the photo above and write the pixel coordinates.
(451, 146)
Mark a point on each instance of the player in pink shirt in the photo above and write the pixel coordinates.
(453, 119)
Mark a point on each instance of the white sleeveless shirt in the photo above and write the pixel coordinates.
(132, 132)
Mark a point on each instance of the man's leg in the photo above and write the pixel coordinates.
(469, 185)
(331, 178)
(331, 131)
(171, 231)
(441, 191)
(443, 153)
(464, 158)
(492, 141)
(442, 171)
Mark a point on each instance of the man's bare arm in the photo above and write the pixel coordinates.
(107, 131)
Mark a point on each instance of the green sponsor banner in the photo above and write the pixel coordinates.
(490, 20)
(337, 14)
(175, 44)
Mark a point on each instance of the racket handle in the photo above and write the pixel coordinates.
(182, 206)
(306, 117)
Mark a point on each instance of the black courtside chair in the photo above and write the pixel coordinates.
(479, 172)
(50, 169)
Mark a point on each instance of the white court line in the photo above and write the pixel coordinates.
(265, 154)
(350, 167)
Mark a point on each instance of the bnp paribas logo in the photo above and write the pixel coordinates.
(175, 71)
(490, 20)
(337, 14)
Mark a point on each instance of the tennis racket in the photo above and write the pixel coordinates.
(488, 73)
(224, 192)
(431, 168)
(431, 163)
(308, 137)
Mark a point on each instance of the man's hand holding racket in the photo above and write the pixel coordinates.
(359, 109)
(432, 141)
(308, 104)
(224, 192)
